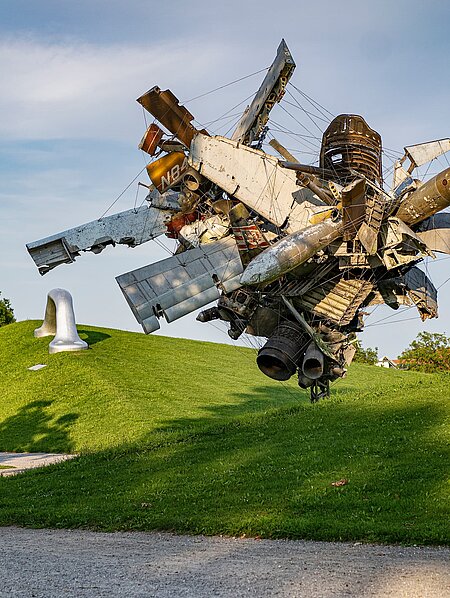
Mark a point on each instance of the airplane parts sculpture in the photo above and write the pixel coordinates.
(290, 252)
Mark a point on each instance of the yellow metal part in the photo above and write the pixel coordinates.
(321, 216)
(168, 170)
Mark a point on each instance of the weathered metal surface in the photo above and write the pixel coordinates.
(349, 143)
(399, 176)
(337, 300)
(435, 232)
(316, 170)
(412, 287)
(270, 92)
(307, 180)
(421, 153)
(313, 362)
(168, 201)
(181, 284)
(250, 175)
(283, 352)
(171, 145)
(400, 245)
(422, 292)
(353, 198)
(313, 333)
(370, 227)
(306, 210)
(132, 228)
(430, 198)
(286, 154)
(150, 140)
(362, 261)
(317, 217)
(250, 240)
(205, 231)
(290, 252)
(388, 296)
(164, 106)
(168, 170)
(59, 321)
(301, 284)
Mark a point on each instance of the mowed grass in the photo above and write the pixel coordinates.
(121, 389)
(191, 437)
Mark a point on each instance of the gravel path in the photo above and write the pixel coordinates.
(38, 563)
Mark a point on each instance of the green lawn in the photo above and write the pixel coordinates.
(125, 387)
(191, 437)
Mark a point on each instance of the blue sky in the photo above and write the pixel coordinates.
(71, 71)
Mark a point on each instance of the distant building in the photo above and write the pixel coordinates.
(387, 363)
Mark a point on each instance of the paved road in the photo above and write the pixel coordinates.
(50, 563)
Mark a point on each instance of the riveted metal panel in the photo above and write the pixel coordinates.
(182, 283)
(132, 228)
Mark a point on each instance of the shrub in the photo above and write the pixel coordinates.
(429, 352)
(6, 312)
(368, 356)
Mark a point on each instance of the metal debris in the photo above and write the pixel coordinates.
(131, 228)
(294, 253)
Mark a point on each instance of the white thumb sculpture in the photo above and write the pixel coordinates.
(59, 320)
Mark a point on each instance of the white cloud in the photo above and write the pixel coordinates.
(73, 90)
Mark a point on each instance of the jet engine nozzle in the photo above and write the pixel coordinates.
(280, 356)
(313, 362)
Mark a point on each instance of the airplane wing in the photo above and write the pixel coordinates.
(182, 283)
(132, 228)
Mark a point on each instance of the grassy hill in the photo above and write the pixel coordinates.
(125, 387)
(191, 437)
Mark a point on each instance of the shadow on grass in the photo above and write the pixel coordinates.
(34, 429)
(266, 475)
(259, 400)
(93, 336)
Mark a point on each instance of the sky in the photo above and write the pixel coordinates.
(70, 73)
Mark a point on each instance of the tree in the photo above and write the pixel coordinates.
(429, 352)
(6, 312)
(369, 355)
